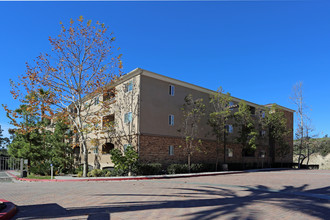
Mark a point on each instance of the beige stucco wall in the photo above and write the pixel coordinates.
(124, 133)
(157, 105)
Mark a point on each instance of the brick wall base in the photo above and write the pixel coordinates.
(155, 149)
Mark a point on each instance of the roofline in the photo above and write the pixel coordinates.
(280, 106)
(144, 72)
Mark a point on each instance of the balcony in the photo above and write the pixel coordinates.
(108, 122)
(109, 96)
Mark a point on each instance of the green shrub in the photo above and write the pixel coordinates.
(197, 168)
(118, 172)
(80, 173)
(177, 168)
(149, 169)
(194, 168)
(107, 173)
(125, 161)
(42, 168)
(78, 169)
(96, 173)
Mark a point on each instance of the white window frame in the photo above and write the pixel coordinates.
(171, 150)
(171, 120)
(128, 116)
(171, 90)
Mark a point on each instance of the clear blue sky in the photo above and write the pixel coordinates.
(256, 50)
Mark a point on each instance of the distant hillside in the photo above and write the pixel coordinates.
(316, 145)
(319, 151)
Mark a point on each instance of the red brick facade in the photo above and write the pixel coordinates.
(154, 149)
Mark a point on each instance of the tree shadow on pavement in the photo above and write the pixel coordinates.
(207, 202)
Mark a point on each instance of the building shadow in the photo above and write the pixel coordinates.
(211, 202)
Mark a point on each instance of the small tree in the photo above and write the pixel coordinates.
(192, 110)
(61, 153)
(81, 63)
(247, 128)
(276, 122)
(218, 119)
(126, 162)
(28, 143)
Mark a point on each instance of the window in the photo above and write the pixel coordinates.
(171, 120)
(262, 154)
(252, 110)
(262, 113)
(230, 152)
(96, 100)
(109, 95)
(128, 117)
(107, 147)
(231, 105)
(171, 90)
(129, 86)
(95, 150)
(171, 150)
(108, 121)
(126, 146)
(230, 129)
(263, 133)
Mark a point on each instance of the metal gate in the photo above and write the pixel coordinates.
(9, 163)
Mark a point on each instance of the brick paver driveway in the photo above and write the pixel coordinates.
(290, 194)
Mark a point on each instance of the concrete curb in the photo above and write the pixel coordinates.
(9, 211)
(172, 176)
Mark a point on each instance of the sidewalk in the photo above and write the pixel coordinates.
(15, 175)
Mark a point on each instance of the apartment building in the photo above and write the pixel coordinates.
(145, 112)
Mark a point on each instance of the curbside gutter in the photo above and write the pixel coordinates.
(8, 212)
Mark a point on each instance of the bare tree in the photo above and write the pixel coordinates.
(297, 98)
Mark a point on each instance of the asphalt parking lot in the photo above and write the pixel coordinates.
(289, 194)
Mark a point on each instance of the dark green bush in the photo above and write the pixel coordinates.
(118, 172)
(149, 169)
(42, 168)
(194, 168)
(177, 168)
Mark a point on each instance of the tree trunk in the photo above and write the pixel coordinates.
(85, 156)
(217, 157)
(300, 150)
(189, 165)
(308, 152)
